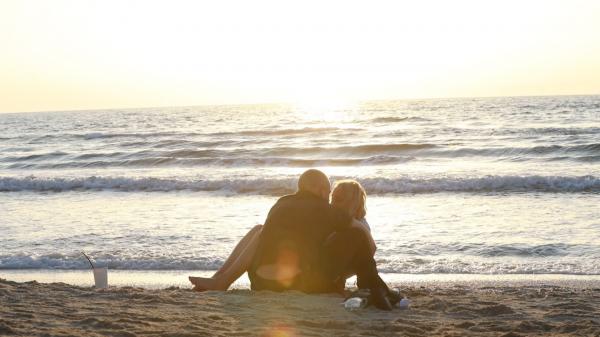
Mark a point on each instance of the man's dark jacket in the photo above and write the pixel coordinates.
(293, 235)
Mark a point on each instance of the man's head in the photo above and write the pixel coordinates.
(315, 182)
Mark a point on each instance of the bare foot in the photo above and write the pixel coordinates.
(206, 283)
(194, 288)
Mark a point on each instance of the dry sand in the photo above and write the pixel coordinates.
(58, 309)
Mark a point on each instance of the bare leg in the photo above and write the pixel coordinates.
(236, 264)
(239, 248)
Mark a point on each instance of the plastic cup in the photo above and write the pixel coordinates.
(101, 277)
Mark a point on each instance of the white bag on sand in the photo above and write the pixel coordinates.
(404, 303)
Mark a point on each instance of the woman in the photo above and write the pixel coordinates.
(348, 195)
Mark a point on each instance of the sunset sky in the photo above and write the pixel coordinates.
(64, 55)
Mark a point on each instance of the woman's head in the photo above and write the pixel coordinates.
(350, 196)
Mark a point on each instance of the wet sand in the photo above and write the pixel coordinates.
(58, 309)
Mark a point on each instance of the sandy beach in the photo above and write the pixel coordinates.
(59, 309)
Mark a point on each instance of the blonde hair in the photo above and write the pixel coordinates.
(351, 196)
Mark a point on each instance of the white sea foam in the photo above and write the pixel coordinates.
(76, 261)
(287, 185)
(472, 266)
(403, 265)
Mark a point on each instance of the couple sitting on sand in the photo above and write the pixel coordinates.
(309, 245)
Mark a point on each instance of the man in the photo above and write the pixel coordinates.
(292, 254)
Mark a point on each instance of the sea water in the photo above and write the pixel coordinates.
(497, 186)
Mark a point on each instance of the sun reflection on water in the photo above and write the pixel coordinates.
(325, 110)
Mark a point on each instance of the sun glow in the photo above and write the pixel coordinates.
(69, 54)
(324, 109)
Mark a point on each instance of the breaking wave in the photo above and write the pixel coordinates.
(276, 186)
(404, 265)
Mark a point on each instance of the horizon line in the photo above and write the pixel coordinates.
(289, 103)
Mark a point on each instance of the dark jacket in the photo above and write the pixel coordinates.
(292, 237)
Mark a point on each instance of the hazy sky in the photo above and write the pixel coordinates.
(79, 54)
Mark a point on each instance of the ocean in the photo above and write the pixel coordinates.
(472, 186)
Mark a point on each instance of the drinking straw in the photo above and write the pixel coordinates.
(90, 261)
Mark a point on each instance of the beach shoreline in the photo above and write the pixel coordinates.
(161, 279)
(58, 309)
